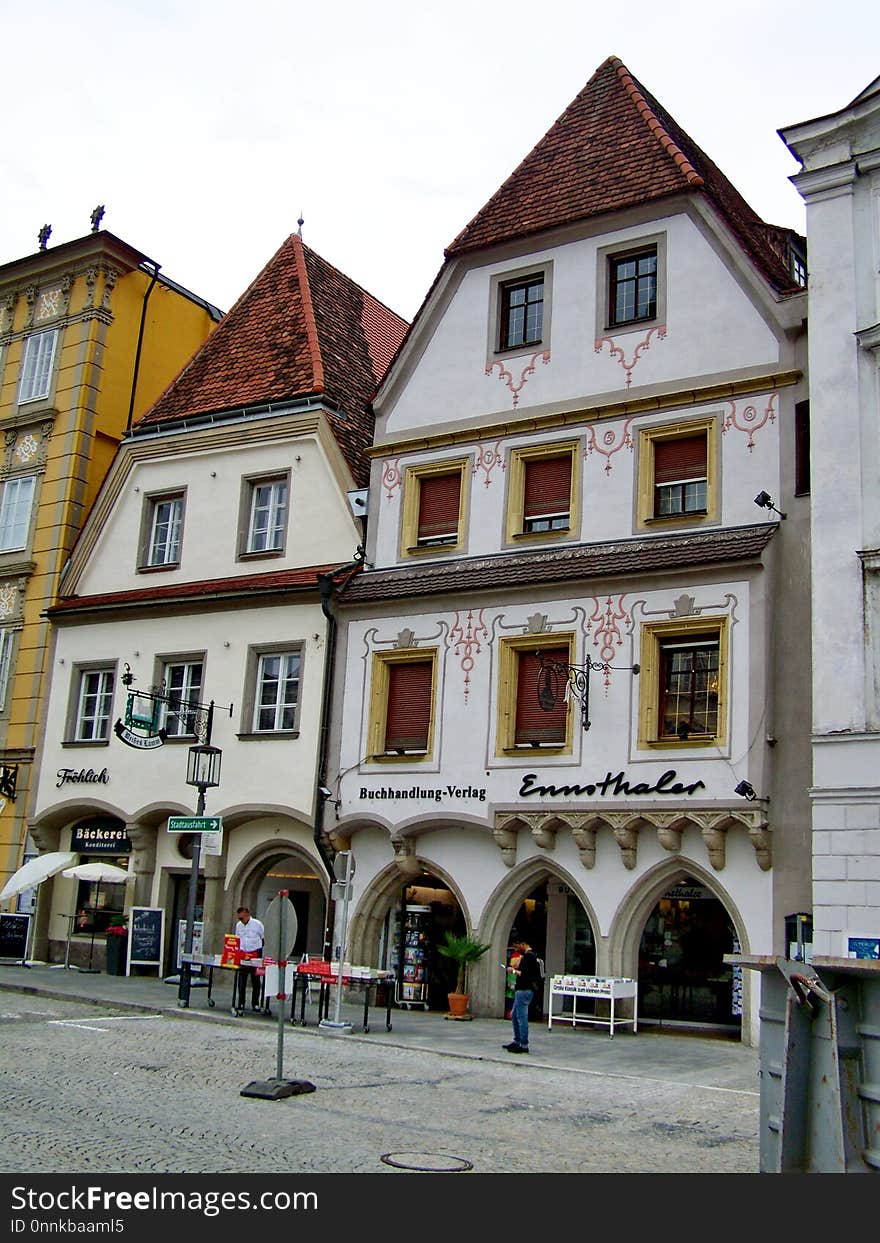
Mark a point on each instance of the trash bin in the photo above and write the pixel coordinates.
(116, 954)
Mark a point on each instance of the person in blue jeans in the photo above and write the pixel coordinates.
(528, 978)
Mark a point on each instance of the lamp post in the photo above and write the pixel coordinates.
(202, 772)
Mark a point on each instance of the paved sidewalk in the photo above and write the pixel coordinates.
(700, 1061)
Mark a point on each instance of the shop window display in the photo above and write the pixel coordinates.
(683, 978)
(99, 905)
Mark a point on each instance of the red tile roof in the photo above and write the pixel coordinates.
(302, 328)
(205, 591)
(580, 562)
(614, 147)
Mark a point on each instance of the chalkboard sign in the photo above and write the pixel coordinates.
(13, 935)
(146, 934)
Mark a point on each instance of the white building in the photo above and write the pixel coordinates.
(601, 380)
(201, 571)
(840, 183)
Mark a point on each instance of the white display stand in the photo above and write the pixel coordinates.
(597, 987)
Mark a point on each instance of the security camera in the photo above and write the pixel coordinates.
(325, 792)
(746, 790)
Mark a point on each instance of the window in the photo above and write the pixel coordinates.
(164, 522)
(683, 679)
(680, 476)
(519, 311)
(522, 312)
(802, 448)
(277, 692)
(677, 473)
(94, 705)
(433, 507)
(632, 287)
(402, 704)
(7, 638)
(543, 491)
(183, 688)
(15, 512)
(265, 524)
(528, 719)
(36, 366)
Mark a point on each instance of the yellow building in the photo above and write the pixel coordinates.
(91, 332)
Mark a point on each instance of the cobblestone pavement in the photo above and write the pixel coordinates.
(86, 1089)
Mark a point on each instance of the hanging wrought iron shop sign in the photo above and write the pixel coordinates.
(555, 676)
(143, 712)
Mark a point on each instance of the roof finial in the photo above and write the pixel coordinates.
(300, 223)
(96, 218)
(43, 236)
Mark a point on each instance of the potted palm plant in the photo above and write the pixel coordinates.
(463, 950)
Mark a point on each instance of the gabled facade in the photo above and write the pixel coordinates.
(840, 183)
(201, 572)
(90, 333)
(568, 646)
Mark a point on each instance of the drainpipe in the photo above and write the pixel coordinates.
(137, 355)
(326, 585)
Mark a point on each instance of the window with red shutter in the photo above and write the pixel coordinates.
(680, 476)
(547, 493)
(408, 713)
(439, 502)
(534, 725)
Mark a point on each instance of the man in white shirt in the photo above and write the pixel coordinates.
(250, 933)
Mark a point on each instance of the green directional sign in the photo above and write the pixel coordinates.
(195, 824)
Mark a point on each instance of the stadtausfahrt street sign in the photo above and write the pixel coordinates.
(195, 824)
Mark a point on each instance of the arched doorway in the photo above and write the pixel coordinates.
(683, 979)
(420, 914)
(305, 890)
(554, 922)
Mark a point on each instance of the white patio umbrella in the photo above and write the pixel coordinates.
(96, 872)
(35, 871)
(32, 873)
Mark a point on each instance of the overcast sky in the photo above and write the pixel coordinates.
(206, 127)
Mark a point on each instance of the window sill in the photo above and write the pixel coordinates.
(264, 555)
(152, 569)
(85, 742)
(268, 733)
(512, 351)
(679, 744)
(408, 757)
(543, 748)
(633, 325)
(418, 550)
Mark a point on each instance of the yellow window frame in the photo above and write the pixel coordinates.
(378, 716)
(648, 438)
(653, 635)
(508, 688)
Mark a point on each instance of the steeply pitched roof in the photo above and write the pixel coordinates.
(302, 328)
(574, 562)
(614, 147)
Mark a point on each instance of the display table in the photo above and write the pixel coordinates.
(320, 973)
(213, 963)
(597, 988)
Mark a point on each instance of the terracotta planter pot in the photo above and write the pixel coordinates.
(458, 1003)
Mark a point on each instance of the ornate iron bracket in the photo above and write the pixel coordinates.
(144, 707)
(556, 675)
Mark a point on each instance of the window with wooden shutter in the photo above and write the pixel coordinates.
(535, 726)
(680, 476)
(547, 494)
(408, 709)
(439, 505)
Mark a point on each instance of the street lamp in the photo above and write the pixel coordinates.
(202, 772)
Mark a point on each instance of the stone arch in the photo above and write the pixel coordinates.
(368, 919)
(631, 915)
(487, 981)
(242, 885)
